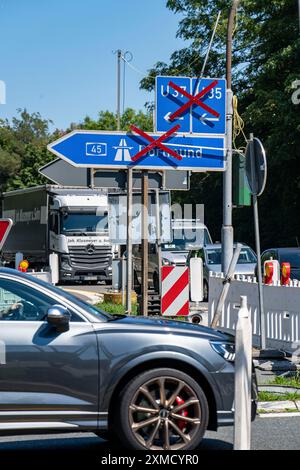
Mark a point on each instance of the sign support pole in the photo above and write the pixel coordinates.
(258, 252)
(144, 302)
(129, 242)
(227, 229)
(158, 238)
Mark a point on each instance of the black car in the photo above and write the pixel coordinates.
(66, 366)
(284, 255)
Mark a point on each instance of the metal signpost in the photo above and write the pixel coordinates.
(256, 172)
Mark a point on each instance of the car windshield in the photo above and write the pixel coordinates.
(84, 222)
(187, 239)
(293, 258)
(246, 256)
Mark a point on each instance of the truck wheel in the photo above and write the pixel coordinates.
(162, 409)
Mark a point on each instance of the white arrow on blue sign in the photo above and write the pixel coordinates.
(114, 150)
(195, 119)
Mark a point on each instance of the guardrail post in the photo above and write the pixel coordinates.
(242, 385)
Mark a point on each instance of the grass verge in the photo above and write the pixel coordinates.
(268, 396)
(286, 410)
(115, 309)
(292, 381)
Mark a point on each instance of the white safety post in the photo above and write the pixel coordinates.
(242, 385)
(196, 279)
(54, 268)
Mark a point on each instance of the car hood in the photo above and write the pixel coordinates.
(175, 257)
(171, 326)
(246, 269)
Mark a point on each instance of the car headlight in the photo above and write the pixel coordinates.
(167, 262)
(226, 350)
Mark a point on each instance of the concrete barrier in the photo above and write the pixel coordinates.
(281, 303)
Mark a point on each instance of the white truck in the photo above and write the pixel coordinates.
(71, 222)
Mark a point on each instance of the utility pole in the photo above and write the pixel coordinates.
(129, 196)
(119, 57)
(227, 229)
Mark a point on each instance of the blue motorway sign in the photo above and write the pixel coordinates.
(114, 150)
(195, 118)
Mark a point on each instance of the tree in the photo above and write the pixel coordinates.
(23, 143)
(266, 62)
(23, 150)
(108, 121)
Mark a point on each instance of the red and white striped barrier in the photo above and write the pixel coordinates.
(175, 291)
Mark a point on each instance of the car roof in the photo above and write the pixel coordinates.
(285, 249)
(211, 246)
(15, 272)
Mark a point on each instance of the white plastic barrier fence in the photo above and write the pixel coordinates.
(281, 303)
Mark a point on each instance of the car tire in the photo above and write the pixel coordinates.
(163, 431)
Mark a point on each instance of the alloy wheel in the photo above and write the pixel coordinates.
(165, 414)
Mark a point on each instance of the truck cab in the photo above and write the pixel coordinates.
(70, 222)
(78, 232)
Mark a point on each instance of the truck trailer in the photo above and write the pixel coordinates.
(71, 222)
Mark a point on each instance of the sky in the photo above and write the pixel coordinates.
(56, 56)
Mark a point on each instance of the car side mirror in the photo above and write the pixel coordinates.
(59, 317)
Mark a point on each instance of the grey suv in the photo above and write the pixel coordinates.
(66, 366)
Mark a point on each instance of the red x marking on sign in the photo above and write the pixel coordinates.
(193, 100)
(155, 142)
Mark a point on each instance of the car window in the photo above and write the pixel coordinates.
(20, 302)
(292, 257)
(213, 256)
(266, 256)
(246, 256)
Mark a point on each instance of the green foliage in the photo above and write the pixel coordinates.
(23, 150)
(266, 61)
(108, 121)
(116, 309)
(291, 381)
(268, 396)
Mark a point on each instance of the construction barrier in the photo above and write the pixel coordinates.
(175, 291)
(281, 305)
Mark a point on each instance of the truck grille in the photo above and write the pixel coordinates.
(90, 256)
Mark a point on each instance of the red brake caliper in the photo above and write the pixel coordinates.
(182, 424)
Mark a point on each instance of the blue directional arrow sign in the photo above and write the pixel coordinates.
(195, 119)
(114, 150)
(168, 101)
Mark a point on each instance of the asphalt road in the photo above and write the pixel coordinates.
(267, 434)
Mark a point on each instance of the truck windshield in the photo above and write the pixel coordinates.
(84, 222)
(187, 239)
